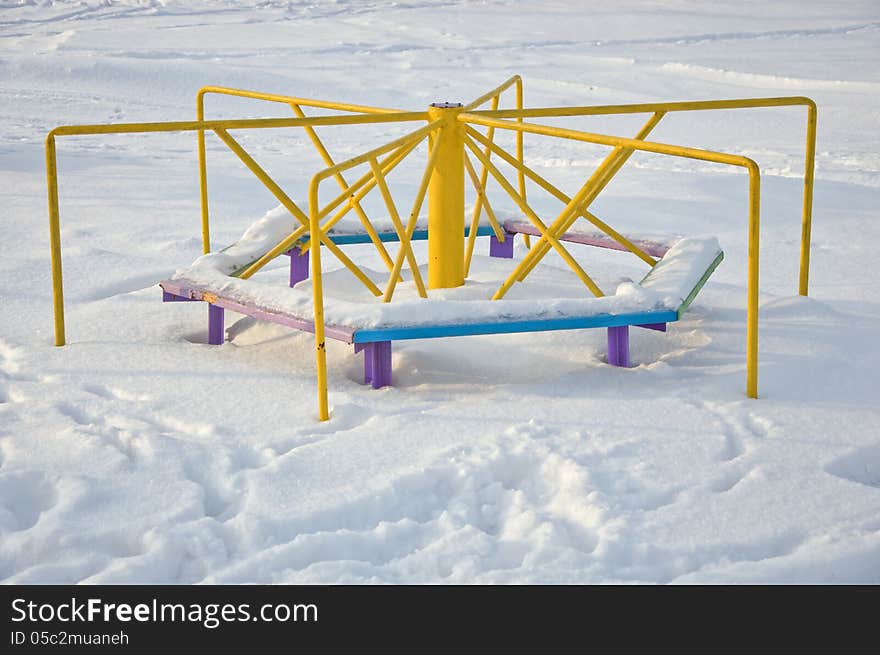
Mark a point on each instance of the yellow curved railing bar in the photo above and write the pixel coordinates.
(167, 126)
(315, 230)
(369, 184)
(701, 105)
(676, 151)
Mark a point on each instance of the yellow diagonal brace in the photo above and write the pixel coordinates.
(350, 265)
(519, 154)
(538, 223)
(557, 193)
(597, 182)
(407, 139)
(362, 215)
(398, 227)
(364, 185)
(478, 205)
(255, 168)
(481, 197)
(689, 153)
(292, 208)
(291, 240)
(413, 219)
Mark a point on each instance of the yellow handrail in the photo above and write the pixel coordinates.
(167, 126)
(315, 230)
(702, 105)
(677, 151)
(497, 91)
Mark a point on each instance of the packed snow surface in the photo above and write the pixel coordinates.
(140, 454)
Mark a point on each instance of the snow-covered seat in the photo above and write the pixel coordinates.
(659, 298)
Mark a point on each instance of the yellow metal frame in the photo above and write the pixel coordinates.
(453, 138)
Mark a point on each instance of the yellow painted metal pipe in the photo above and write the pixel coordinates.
(203, 176)
(291, 206)
(703, 105)
(498, 90)
(406, 139)
(519, 154)
(317, 279)
(237, 124)
(554, 191)
(318, 303)
(690, 153)
(484, 201)
(809, 172)
(367, 183)
(752, 285)
(446, 203)
(200, 115)
(536, 221)
(413, 221)
(595, 185)
(285, 99)
(55, 240)
(380, 115)
(398, 227)
(480, 186)
(644, 108)
(362, 215)
(293, 238)
(262, 175)
(362, 183)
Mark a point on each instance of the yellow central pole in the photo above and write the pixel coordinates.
(446, 201)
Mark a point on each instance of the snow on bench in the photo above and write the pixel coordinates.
(659, 298)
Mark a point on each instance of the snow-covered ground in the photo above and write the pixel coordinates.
(140, 454)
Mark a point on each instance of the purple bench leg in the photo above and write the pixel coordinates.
(215, 325)
(501, 249)
(618, 346)
(377, 363)
(299, 265)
